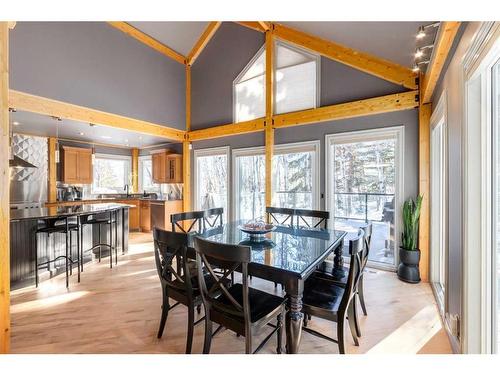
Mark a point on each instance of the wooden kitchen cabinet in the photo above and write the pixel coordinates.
(77, 165)
(145, 216)
(167, 167)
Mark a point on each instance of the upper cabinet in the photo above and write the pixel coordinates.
(77, 165)
(167, 167)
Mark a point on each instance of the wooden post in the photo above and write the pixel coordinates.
(135, 170)
(186, 147)
(186, 175)
(424, 116)
(4, 191)
(269, 127)
(52, 175)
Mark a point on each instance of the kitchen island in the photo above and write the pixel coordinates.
(25, 222)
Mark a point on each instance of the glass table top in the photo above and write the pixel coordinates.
(288, 249)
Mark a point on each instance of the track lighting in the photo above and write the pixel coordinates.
(415, 68)
(419, 53)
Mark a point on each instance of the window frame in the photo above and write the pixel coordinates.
(314, 56)
(213, 151)
(261, 50)
(285, 148)
(142, 158)
(397, 132)
(128, 169)
(478, 304)
(277, 44)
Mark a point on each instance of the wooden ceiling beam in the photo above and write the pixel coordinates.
(358, 108)
(254, 25)
(227, 130)
(45, 106)
(446, 36)
(203, 41)
(365, 107)
(266, 26)
(363, 61)
(149, 41)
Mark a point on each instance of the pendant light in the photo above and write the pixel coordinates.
(57, 119)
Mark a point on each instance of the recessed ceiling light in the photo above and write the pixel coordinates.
(140, 137)
(81, 133)
(105, 137)
(16, 123)
(126, 140)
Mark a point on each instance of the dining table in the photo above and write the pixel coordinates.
(287, 256)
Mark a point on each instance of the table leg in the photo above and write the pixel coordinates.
(293, 322)
(338, 262)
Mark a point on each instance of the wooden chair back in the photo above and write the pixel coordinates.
(213, 218)
(195, 217)
(280, 216)
(356, 246)
(367, 237)
(212, 255)
(319, 218)
(170, 246)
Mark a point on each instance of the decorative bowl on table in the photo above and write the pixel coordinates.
(256, 229)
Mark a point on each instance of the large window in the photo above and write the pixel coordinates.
(295, 179)
(438, 201)
(296, 83)
(111, 173)
(212, 178)
(146, 175)
(364, 171)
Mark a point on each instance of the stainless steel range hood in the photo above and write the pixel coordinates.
(18, 162)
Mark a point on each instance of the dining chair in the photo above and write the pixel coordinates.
(326, 299)
(181, 286)
(319, 219)
(326, 272)
(213, 218)
(280, 215)
(194, 217)
(241, 309)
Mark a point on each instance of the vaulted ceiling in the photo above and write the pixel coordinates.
(394, 41)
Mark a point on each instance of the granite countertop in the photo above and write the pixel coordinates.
(62, 211)
(110, 199)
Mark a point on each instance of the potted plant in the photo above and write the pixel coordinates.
(409, 255)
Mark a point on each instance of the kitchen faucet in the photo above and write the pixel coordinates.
(126, 189)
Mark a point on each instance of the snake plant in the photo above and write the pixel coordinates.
(411, 217)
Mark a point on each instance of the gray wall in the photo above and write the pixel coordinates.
(452, 83)
(95, 65)
(409, 119)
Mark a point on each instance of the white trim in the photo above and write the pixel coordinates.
(397, 132)
(224, 150)
(477, 301)
(128, 171)
(314, 146)
(439, 118)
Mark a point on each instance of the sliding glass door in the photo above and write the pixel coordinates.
(364, 171)
(295, 179)
(211, 179)
(495, 80)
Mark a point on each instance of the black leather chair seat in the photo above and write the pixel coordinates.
(261, 303)
(209, 280)
(322, 293)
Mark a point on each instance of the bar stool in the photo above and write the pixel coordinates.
(111, 221)
(51, 226)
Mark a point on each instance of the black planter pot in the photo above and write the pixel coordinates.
(408, 270)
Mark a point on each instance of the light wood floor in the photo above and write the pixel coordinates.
(117, 311)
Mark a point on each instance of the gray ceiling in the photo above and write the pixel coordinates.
(180, 36)
(45, 126)
(394, 41)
